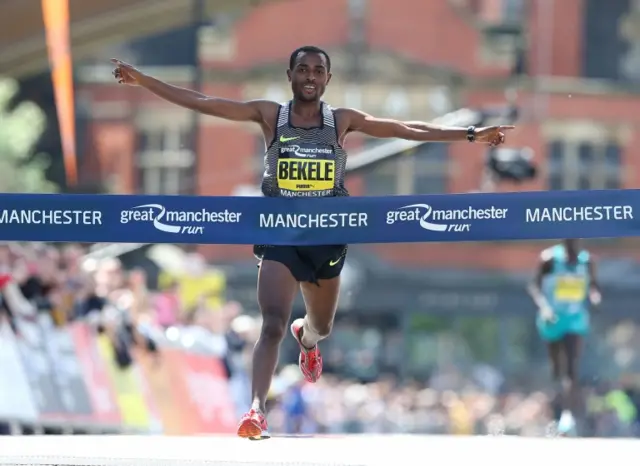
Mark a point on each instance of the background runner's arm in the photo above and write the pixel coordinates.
(222, 108)
(594, 287)
(535, 288)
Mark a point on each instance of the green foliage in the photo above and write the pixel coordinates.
(21, 171)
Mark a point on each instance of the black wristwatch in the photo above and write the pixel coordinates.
(471, 134)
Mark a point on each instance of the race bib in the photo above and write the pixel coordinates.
(306, 168)
(571, 289)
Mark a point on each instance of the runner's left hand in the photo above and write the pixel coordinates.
(492, 135)
(595, 297)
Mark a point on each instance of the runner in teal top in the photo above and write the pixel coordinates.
(564, 289)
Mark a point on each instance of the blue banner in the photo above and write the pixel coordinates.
(282, 221)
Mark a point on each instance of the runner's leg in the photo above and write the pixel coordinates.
(321, 301)
(559, 367)
(555, 351)
(573, 349)
(568, 383)
(276, 291)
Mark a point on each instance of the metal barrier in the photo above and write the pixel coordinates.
(67, 380)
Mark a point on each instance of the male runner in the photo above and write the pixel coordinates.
(564, 285)
(292, 131)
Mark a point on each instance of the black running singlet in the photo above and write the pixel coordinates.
(305, 162)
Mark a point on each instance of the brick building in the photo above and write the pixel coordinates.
(393, 59)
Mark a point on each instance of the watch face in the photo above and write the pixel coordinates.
(471, 133)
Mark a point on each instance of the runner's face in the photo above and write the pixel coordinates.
(571, 244)
(309, 77)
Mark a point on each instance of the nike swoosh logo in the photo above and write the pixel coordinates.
(336, 262)
(283, 139)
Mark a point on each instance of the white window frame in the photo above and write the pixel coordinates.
(406, 171)
(575, 133)
(165, 156)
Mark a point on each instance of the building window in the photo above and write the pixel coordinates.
(382, 178)
(422, 170)
(610, 44)
(513, 11)
(431, 168)
(258, 161)
(584, 165)
(498, 11)
(165, 161)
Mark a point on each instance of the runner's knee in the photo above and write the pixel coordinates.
(322, 329)
(573, 344)
(274, 324)
(572, 371)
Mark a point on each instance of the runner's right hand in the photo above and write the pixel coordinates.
(547, 314)
(125, 73)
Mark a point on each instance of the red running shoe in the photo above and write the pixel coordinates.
(310, 361)
(253, 426)
(4, 280)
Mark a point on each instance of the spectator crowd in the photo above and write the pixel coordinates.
(62, 282)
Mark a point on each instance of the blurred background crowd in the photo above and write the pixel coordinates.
(427, 339)
(187, 308)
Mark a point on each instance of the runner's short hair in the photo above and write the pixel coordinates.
(308, 49)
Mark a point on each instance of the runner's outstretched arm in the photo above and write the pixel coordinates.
(425, 126)
(223, 108)
(419, 131)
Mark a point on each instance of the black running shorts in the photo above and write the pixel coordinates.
(306, 263)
